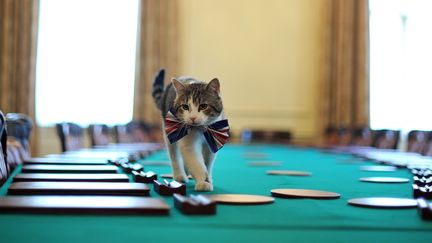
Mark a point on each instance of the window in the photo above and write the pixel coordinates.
(86, 61)
(401, 61)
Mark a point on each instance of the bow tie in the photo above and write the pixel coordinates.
(216, 134)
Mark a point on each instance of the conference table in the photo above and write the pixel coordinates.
(239, 169)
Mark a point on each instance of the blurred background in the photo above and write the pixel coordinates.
(303, 67)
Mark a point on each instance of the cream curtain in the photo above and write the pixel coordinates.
(18, 38)
(345, 97)
(157, 48)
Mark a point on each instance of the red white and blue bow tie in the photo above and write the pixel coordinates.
(216, 134)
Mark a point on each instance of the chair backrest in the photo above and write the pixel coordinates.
(139, 131)
(156, 134)
(334, 136)
(255, 136)
(71, 136)
(133, 132)
(4, 171)
(386, 139)
(427, 150)
(16, 154)
(20, 127)
(331, 136)
(121, 134)
(266, 136)
(282, 137)
(344, 136)
(100, 134)
(362, 136)
(416, 141)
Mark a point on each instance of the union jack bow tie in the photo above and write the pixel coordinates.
(216, 134)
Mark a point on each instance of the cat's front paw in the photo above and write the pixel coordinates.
(180, 178)
(203, 186)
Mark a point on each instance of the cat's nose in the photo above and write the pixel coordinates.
(193, 118)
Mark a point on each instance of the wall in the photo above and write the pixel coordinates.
(268, 56)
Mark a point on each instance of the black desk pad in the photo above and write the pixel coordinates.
(69, 169)
(83, 204)
(79, 177)
(78, 188)
(65, 161)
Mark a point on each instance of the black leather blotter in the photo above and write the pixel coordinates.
(65, 161)
(111, 177)
(83, 204)
(195, 204)
(78, 188)
(168, 188)
(69, 169)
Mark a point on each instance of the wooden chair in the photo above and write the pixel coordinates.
(344, 136)
(427, 150)
(133, 132)
(282, 137)
(256, 136)
(4, 171)
(416, 141)
(121, 135)
(331, 137)
(362, 136)
(386, 139)
(156, 133)
(19, 127)
(100, 134)
(139, 131)
(70, 135)
(337, 136)
(266, 136)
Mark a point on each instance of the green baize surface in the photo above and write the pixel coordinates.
(285, 220)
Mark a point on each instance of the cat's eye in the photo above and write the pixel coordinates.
(185, 107)
(203, 107)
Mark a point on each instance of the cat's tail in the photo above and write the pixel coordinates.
(158, 88)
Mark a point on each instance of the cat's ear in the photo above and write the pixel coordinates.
(179, 87)
(214, 85)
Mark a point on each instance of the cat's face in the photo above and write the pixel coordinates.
(197, 103)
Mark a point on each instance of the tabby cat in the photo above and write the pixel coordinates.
(191, 108)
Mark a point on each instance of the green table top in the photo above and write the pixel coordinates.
(295, 220)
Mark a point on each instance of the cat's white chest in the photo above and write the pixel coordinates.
(194, 137)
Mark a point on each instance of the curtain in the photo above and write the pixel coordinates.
(345, 87)
(18, 38)
(157, 48)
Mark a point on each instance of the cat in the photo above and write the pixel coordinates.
(193, 105)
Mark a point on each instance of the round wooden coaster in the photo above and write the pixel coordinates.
(240, 198)
(383, 202)
(384, 179)
(170, 176)
(303, 193)
(264, 163)
(288, 172)
(378, 168)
